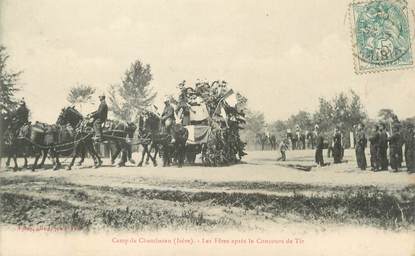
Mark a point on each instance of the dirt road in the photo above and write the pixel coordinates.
(255, 196)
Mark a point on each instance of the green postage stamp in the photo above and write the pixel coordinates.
(381, 36)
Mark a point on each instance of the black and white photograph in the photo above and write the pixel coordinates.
(207, 127)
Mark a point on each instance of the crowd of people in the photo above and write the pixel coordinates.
(387, 148)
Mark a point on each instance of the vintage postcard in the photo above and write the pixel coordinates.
(207, 127)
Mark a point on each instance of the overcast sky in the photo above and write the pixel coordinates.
(282, 55)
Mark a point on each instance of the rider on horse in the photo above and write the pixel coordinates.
(99, 117)
(168, 118)
(20, 116)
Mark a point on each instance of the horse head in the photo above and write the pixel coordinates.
(69, 115)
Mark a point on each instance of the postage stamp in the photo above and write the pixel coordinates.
(381, 36)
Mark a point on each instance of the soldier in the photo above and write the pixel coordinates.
(168, 118)
(410, 149)
(99, 117)
(283, 149)
(374, 148)
(361, 143)
(395, 147)
(21, 116)
(337, 146)
(319, 147)
(383, 148)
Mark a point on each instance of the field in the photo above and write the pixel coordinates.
(255, 196)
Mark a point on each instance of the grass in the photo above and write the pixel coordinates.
(54, 202)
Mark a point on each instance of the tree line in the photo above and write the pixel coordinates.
(344, 111)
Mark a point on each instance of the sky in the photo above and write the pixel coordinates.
(282, 55)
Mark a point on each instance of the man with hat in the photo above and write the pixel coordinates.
(21, 116)
(167, 117)
(319, 147)
(361, 143)
(99, 117)
(395, 147)
(383, 148)
(337, 146)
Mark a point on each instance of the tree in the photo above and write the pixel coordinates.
(255, 124)
(357, 110)
(80, 94)
(324, 115)
(303, 119)
(8, 82)
(386, 115)
(134, 94)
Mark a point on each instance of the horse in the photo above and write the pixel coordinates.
(174, 146)
(82, 140)
(10, 145)
(47, 138)
(149, 133)
(117, 132)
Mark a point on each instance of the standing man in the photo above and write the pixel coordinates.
(410, 149)
(395, 147)
(374, 148)
(167, 117)
(383, 148)
(283, 149)
(99, 117)
(319, 147)
(361, 143)
(337, 146)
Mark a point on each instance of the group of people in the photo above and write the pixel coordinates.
(399, 143)
(381, 142)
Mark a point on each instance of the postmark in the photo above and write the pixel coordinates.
(381, 36)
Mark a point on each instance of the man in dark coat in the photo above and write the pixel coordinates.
(361, 143)
(319, 148)
(374, 147)
(21, 116)
(337, 146)
(383, 148)
(99, 117)
(167, 117)
(410, 149)
(395, 147)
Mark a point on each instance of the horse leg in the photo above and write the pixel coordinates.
(45, 154)
(37, 156)
(55, 160)
(94, 154)
(117, 152)
(74, 153)
(124, 153)
(145, 149)
(156, 149)
(82, 153)
(25, 161)
(16, 167)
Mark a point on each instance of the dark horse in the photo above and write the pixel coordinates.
(117, 132)
(175, 145)
(154, 137)
(82, 139)
(10, 145)
(150, 135)
(46, 138)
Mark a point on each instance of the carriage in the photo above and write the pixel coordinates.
(196, 141)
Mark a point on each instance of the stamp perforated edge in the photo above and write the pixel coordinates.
(353, 39)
